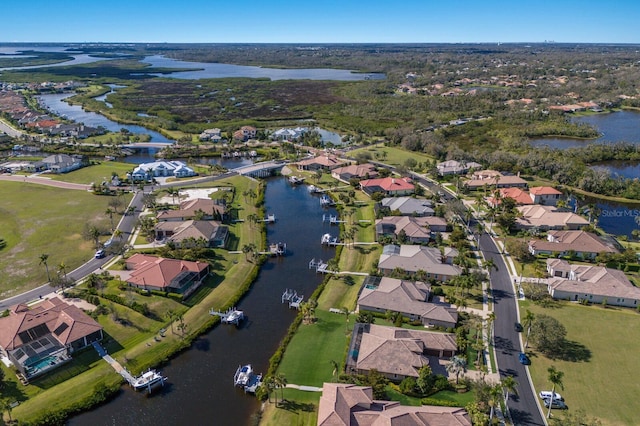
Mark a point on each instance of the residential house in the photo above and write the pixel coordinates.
(583, 244)
(321, 162)
(416, 230)
(409, 298)
(148, 171)
(548, 217)
(405, 206)
(453, 167)
(213, 135)
(245, 133)
(494, 179)
(190, 232)
(412, 259)
(287, 134)
(389, 186)
(516, 194)
(357, 171)
(197, 208)
(62, 163)
(350, 405)
(545, 195)
(42, 337)
(169, 275)
(595, 284)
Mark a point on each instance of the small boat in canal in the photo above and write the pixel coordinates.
(148, 380)
(296, 180)
(246, 379)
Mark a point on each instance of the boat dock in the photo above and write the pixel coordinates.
(293, 298)
(319, 265)
(270, 218)
(231, 316)
(278, 249)
(326, 201)
(329, 240)
(332, 219)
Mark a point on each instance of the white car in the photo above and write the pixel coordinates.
(547, 395)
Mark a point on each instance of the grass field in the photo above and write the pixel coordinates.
(95, 173)
(38, 219)
(392, 155)
(605, 383)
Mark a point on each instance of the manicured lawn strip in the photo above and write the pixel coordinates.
(338, 295)
(604, 385)
(301, 410)
(394, 156)
(37, 219)
(460, 399)
(96, 173)
(137, 349)
(308, 355)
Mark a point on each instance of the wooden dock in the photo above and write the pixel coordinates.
(292, 297)
(270, 218)
(329, 240)
(319, 265)
(231, 316)
(332, 219)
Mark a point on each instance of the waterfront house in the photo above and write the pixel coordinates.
(545, 195)
(321, 162)
(213, 135)
(355, 171)
(408, 298)
(168, 275)
(416, 229)
(594, 284)
(405, 206)
(191, 232)
(287, 134)
(197, 208)
(346, 404)
(548, 217)
(39, 338)
(411, 259)
(62, 163)
(494, 179)
(245, 133)
(582, 244)
(516, 194)
(389, 186)
(148, 171)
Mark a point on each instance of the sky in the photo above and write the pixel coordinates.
(323, 21)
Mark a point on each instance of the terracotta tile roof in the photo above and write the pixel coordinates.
(389, 184)
(159, 271)
(544, 190)
(578, 241)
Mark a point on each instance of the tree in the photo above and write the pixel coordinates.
(62, 267)
(109, 212)
(281, 382)
(6, 405)
(336, 368)
(425, 379)
(509, 385)
(457, 366)
(555, 377)
(173, 192)
(44, 257)
(270, 384)
(548, 334)
(247, 249)
(528, 321)
(495, 394)
(346, 313)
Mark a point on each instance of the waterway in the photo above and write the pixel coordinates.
(200, 389)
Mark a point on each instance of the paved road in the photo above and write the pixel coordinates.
(524, 408)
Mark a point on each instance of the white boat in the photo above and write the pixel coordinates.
(234, 317)
(147, 380)
(243, 375)
(296, 180)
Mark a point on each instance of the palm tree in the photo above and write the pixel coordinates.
(509, 385)
(171, 316)
(248, 248)
(270, 383)
(336, 368)
(5, 405)
(117, 234)
(489, 264)
(495, 393)
(281, 382)
(346, 312)
(528, 321)
(555, 377)
(62, 267)
(173, 192)
(457, 366)
(109, 212)
(44, 257)
(491, 318)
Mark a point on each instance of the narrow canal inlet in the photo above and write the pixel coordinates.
(200, 388)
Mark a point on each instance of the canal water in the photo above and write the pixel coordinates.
(200, 389)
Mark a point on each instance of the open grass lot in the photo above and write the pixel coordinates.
(37, 219)
(392, 155)
(605, 385)
(96, 173)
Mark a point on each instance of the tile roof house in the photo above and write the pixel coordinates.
(409, 298)
(189, 232)
(169, 275)
(48, 331)
(416, 230)
(389, 186)
(208, 208)
(595, 284)
(245, 133)
(321, 162)
(518, 195)
(358, 171)
(545, 195)
(548, 217)
(583, 244)
(453, 167)
(406, 206)
(412, 259)
(494, 179)
(344, 404)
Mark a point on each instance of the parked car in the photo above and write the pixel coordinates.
(524, 359)
(100, 254)
(518, 327)
(547, 395)
(555, 404)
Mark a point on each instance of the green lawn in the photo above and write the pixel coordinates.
(392, 155)
(604, 384)
(38, 219)
(96, 173)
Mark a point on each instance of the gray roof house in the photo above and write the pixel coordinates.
(408, 298)
(453, 167)
(583, 244)
(190, 231)
(416, 229)
(62, 163)
(407, 206)
(415, 258)
(595, 284)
